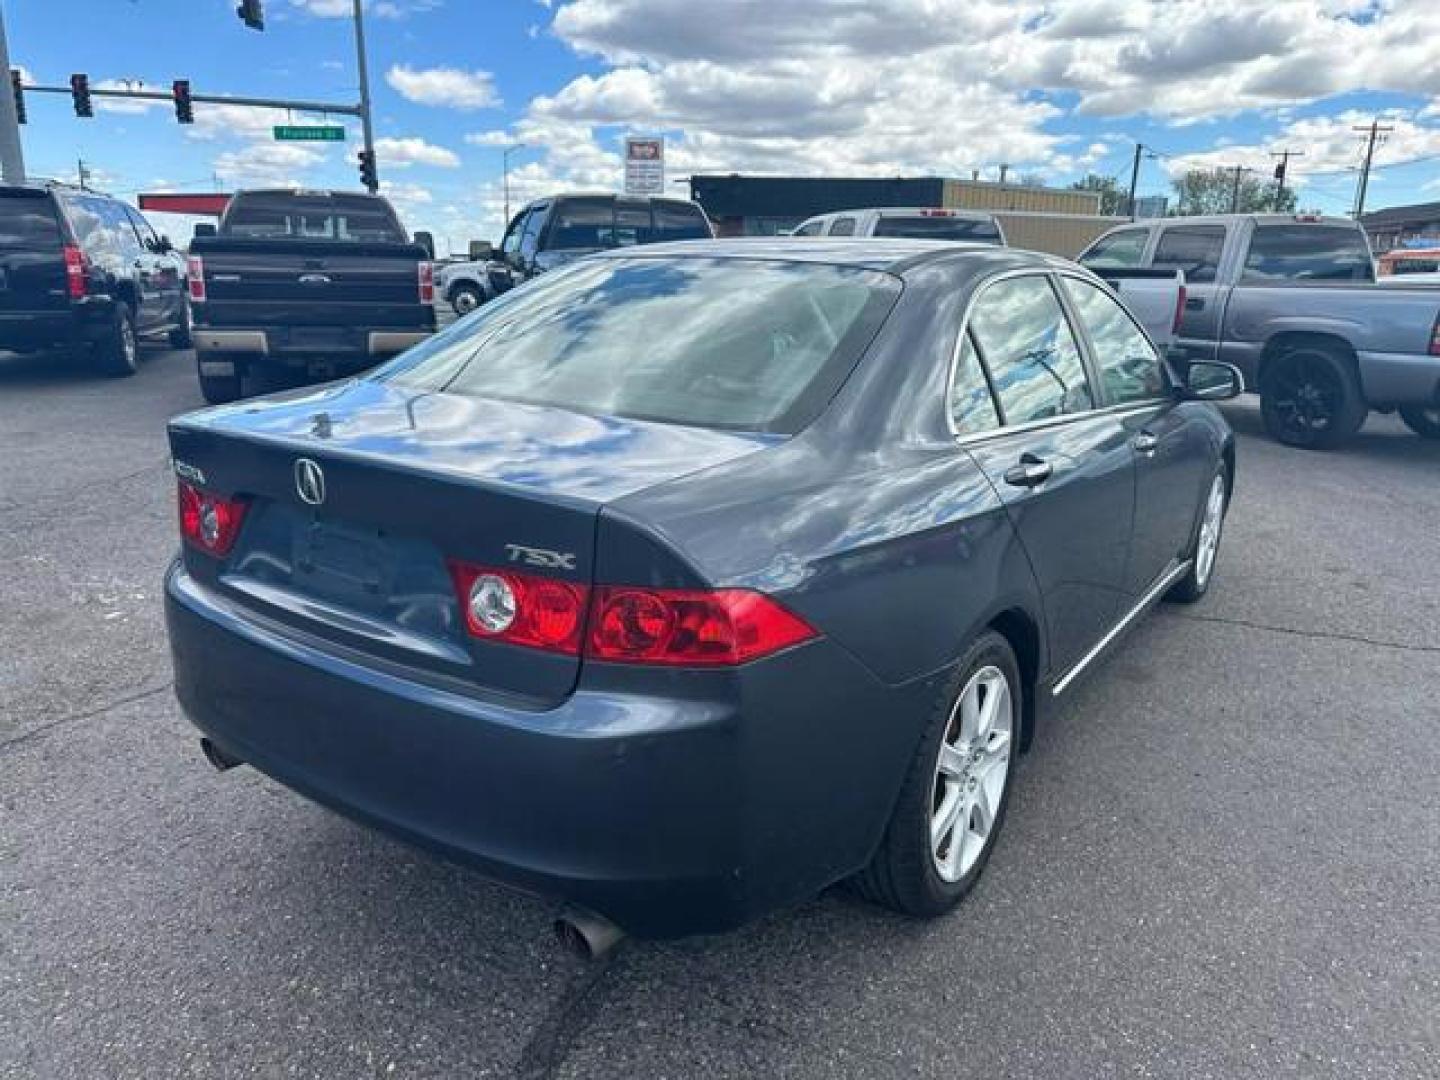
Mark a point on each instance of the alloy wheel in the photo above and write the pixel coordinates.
(971, 773)
(1306, 400)
(1210, 525)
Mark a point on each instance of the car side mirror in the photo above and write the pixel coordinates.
(427, 241)
(1211, 380)
(204, 228)
(481, 251)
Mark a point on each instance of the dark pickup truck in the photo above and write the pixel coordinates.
(318, 283)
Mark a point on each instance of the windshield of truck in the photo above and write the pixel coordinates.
(939, 228)
(353, 218)
(1303, 252)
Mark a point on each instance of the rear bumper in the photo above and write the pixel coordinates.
(263, 343)
(78, 325)
(693, 812)
(1400, 378)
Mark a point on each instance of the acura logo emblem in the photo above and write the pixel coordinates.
(309, 481)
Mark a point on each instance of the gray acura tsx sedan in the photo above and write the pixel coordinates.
(681, 583)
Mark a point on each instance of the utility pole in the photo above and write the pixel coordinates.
(365, 125)
(1284, 156)
(1134, 179)
(12, 159)
(1375, 131)
(1235, 188)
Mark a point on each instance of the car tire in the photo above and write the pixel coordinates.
(183, 336)
(1423, 420)
(222, 389)
(909, 873)
(119, 353)
(1205, 545)
(1310, 397)
(465, 299)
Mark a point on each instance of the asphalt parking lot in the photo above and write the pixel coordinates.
(1222, 858)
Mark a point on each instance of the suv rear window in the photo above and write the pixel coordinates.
(355, 218)
(1302, 252)
(719, 343)
(28, 221)
(938, 228)
(610, 223)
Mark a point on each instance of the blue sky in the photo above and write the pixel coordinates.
(882, 87)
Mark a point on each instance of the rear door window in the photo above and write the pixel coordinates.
(810, 228)
(1304, 252)
(29, 222)
(1121, 249)
(580, 224)
(102, 227)
(843, 226)
(1030, 351)
(1194, 249)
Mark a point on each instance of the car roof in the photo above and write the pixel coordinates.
(608, 196)
(893, 254)
(1260, 219)
(909, 211)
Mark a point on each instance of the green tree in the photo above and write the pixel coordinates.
(1214, 191)
(1112, 199)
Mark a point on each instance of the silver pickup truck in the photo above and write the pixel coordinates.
(1291, 301)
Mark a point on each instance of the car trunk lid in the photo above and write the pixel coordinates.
(412, 480)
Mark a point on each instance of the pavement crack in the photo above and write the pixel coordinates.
(1323, 635)
(564, 1022)
(60, 721)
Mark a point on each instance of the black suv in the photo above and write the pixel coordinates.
(85, 272)
(552, 231)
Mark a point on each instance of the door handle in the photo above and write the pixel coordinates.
(1145, 442)
(1194, 303)
(1031, 472)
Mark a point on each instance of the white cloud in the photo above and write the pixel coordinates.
(122, 105)
(267, 165)
(450, 87)
(412, 150)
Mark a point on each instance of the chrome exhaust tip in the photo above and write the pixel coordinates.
(586, 934)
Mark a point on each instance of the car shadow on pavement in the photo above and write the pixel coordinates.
(1383, 438)
(23, 370)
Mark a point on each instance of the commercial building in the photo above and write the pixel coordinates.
(1397, 225)
(1046, 219)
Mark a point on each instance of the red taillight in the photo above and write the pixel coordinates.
(521, 609)
(1179, 310)
(674, 627)
(1435, 337)
(937, 213)
(209, 522)
(689, 628)
(74, 272)
(195, 276)
(427, 283)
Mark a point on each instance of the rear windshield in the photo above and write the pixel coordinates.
(313, 217)
(938, 228)
(1302, 252)
(28, 221)
(607, 223)
(718, 343)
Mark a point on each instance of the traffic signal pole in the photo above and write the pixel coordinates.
(373, 180)
(12, 158)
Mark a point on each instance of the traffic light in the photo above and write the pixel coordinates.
(17, 85)
(80, 91)
(367, 170)
(252, 14)
(180, 91)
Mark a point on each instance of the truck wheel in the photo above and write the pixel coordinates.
(465, 299)
(182, 337)
(220, 389)
(952, 805)
(119, 353)
(1421, 419)
(1310, 397)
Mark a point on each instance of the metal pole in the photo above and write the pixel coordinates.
(210, 99)
(1235, 191)
(12, 158)
(365, 92)
(505, 170)
(1375, 131)
(1134, 179)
